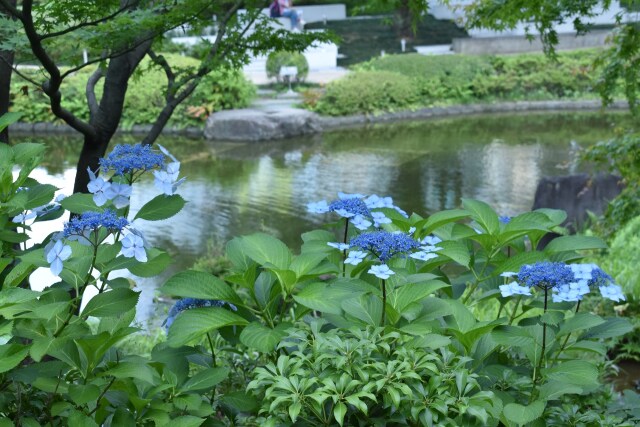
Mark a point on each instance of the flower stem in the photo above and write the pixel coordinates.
(544, 338)
(566, 340)
(344, 251)
(515, 310)
(384, 302)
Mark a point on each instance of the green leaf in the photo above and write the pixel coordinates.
(40, 195)
(304, 263)
(483, 215)
(414, 292)
(193, 324)
(441, 218)
(112, 303)
(11, 355)
(28, 152)
(240, 402)
(574, 243)
(187, 421)
(554, 390)
(197, 284)
(78, 419)
(9, 118)
(339, 411)
(515, 336)
(575, 372)
(137, 369)
(81, 394)
(157, 262)
(328, 297)
(367, 308)
(262, 338)
(578, 322)
(521, 415)
(455, 250)
(205, 379)
(79, 203)
(611, 328)
(161, 207)
(265, 249)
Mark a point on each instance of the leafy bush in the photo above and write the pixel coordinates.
(220, 90)
(279, 59)
(620, 156)
(450, 79)
(373, 329)
(369, 377)
(368, 92)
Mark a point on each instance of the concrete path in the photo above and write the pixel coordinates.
(315, 76)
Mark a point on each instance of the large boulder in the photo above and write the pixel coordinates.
(577, 195)
(258, 125)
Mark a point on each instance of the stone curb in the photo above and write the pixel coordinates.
(327, 123)
(332, 123)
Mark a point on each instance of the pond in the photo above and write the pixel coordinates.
(241, 188)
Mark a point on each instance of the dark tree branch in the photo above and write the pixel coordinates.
(85, 24)
(11, 8)
(14, 68)
(91, 90)
(171, 77)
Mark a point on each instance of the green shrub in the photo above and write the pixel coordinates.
(624, 257)
(369, 92)
(455, 79)
(220, 90)
(277, 60)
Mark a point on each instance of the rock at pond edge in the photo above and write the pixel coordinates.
(257, 125)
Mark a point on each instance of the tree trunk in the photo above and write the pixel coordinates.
(6, 58)
(105, 117)
(403, 21)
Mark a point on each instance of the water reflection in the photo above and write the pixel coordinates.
(234, 189)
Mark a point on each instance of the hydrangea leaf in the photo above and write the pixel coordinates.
(206, 379)
(521, 414)
(576, 372)
(112, 303)
(197, 284)
(161, 207)
(79, 203)
(193, 324)
(262, 338)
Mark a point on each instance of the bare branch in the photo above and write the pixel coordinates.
(91, 90)
(14, 68)
(85, 24)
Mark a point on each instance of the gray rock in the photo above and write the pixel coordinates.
(259, 125)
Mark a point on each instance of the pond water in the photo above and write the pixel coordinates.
(240, 188)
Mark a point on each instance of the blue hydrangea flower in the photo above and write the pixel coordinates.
(504, 219)
(379, 218)
(424, 255)
(119, 194)
(350, 207)
(338, 245)
(431, 240)
(360, 222)
(573, 292)
(128, 159)
(508, 274)
(374, 201)
(188, 304)
(133, 246)
(58, 253)
(612, 292)
(545, 275)
(90, 221)
(514, 289)
(98, 187)
(318, 207)
(24, 217)
(381, 271)
(355, 257)
(385, 245)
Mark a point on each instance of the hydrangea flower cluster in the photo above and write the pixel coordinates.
(188, 304)
(128, 159)
(383, 245)
(166, 179)
(567, 282)
(358, 208)
(91, 221)
(103, 191)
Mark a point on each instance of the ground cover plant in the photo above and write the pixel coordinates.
(378, 326)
